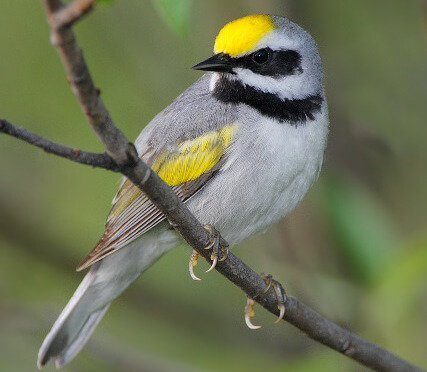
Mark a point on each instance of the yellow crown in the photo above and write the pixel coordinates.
(241, 35)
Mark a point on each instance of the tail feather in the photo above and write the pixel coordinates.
(105, 281)
(81, 339)
(71, 323)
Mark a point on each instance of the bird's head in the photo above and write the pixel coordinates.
(268, 53)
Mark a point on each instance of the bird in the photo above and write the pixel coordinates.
(241, 147)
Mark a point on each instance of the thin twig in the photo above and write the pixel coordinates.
(74, 154)
(65, 17)
(127, 160)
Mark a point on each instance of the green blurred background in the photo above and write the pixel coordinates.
(355, 249)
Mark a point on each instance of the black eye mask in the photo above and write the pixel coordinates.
(270, 62)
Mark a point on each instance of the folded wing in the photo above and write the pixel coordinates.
(186, 166)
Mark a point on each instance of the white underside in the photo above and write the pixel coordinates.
(269, 170)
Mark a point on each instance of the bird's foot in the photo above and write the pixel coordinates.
(280, 296)
(219, 252)
(279, 292)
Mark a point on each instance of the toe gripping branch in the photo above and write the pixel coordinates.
(219, 252)
(280, 295)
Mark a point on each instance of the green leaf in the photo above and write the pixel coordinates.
(176, 14)
(365, 233)
(407, 273)
(397, 305)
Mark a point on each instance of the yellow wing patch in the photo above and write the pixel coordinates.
(241, 35)
(187, 162)
(193, 157)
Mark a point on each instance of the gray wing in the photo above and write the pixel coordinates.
(193, 114)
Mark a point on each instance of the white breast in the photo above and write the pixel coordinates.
(269, 170)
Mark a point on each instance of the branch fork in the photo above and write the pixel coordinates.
(62, 16)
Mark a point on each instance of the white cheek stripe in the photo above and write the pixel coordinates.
(286, 87)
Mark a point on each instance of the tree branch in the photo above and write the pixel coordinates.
(124, 155)
(62, 37)
(74, 154)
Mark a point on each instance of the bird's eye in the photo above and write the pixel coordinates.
(261, 56)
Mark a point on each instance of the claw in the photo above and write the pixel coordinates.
(194, 260)
(224, 255)
(282, 313)
(210, 245)
(213, 236)
(281, 298)
(215, 261)
(250, 313)
(249, 324)
(268, 279)
(215, 245)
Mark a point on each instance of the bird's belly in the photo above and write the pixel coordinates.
(265, 177)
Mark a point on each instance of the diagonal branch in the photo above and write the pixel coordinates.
(301, 316)
(123, 154)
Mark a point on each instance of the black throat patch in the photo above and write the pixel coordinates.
(292, 111)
